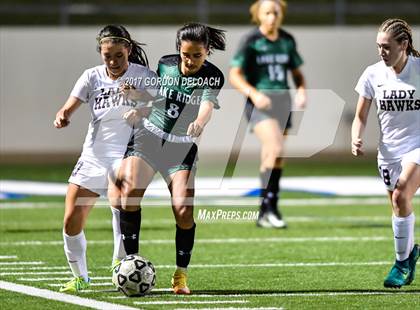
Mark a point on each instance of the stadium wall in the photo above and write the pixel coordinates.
(39, 66)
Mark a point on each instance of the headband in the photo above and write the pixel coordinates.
(118, 38)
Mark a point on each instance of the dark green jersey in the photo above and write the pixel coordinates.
(180, 96)
(264, 62)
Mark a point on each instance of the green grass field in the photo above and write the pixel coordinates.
(334, 254)
(330, 257)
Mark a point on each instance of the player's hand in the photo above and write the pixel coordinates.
(133, 116)
(356, 147)
(61, 119)
(300, 100)
(126, 89)
(195, 129)
(261, 101)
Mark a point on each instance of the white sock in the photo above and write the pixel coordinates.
(119, 251)
(403, 228)
(75, 250)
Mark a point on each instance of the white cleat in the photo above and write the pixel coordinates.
(271, 220)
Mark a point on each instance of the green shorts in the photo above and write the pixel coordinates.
(163, 156)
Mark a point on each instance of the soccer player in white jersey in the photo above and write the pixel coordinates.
(110, 90)
(394, 84)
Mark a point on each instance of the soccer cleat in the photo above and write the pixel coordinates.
(179, 283)
(412, 260)
(75, 285)
(399, 275)
(270, 220)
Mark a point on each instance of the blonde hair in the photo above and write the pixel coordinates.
(255, 8)
(400, 31)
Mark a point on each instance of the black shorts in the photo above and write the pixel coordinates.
(281, 110)
(163, 156)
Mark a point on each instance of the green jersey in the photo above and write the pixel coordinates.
(265, 62)
(179, 97)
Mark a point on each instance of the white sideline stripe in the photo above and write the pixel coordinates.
(214, 241)
(266, 265)
(190, 302)
(33, 273)
(35, 268)
(58, 279)
(91, 284)
(21, 263)
(43, 293)
(8, 256)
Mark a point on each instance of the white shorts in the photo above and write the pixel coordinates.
(390, 170)
(93, 173)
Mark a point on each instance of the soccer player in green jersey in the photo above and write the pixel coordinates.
(165, 140)
(259, 71)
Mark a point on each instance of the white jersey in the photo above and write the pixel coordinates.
(108, 132)
(397, 99)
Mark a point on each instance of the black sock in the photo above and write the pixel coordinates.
(270, 188)
(184, 242)
(130, 222)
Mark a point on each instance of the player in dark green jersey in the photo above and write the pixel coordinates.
(259, 70)
(165, 140)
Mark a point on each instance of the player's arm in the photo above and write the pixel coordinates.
(237, 79)
(62, 118)
(359, 124)
(299, 80)
(204, 114)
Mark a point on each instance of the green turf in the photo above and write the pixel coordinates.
(290, 287)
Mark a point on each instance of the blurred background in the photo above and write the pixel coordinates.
(45, 45)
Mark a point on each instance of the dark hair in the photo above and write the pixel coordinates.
(212, 38)
(400, 31)
(118, 34)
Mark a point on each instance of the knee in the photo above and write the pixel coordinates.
(184, 216)
(72, 225)
(400, 201)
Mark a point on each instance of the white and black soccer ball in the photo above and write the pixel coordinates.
(135, 276)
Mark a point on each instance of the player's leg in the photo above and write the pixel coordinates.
(135, 175)
(181, 186)
(271, 137)
(403, 221)
(115, 201)
(79, 202)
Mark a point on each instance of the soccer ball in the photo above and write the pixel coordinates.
(135, 276)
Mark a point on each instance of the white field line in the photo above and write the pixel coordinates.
(58, 279)
(208, 266)
(8, 257)
(20, 263)
(43, 293)
(190, 302)
(290, 219)
(36, 268)
(33, 273)
(214, 241)
(239, 201)
(91, 284)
